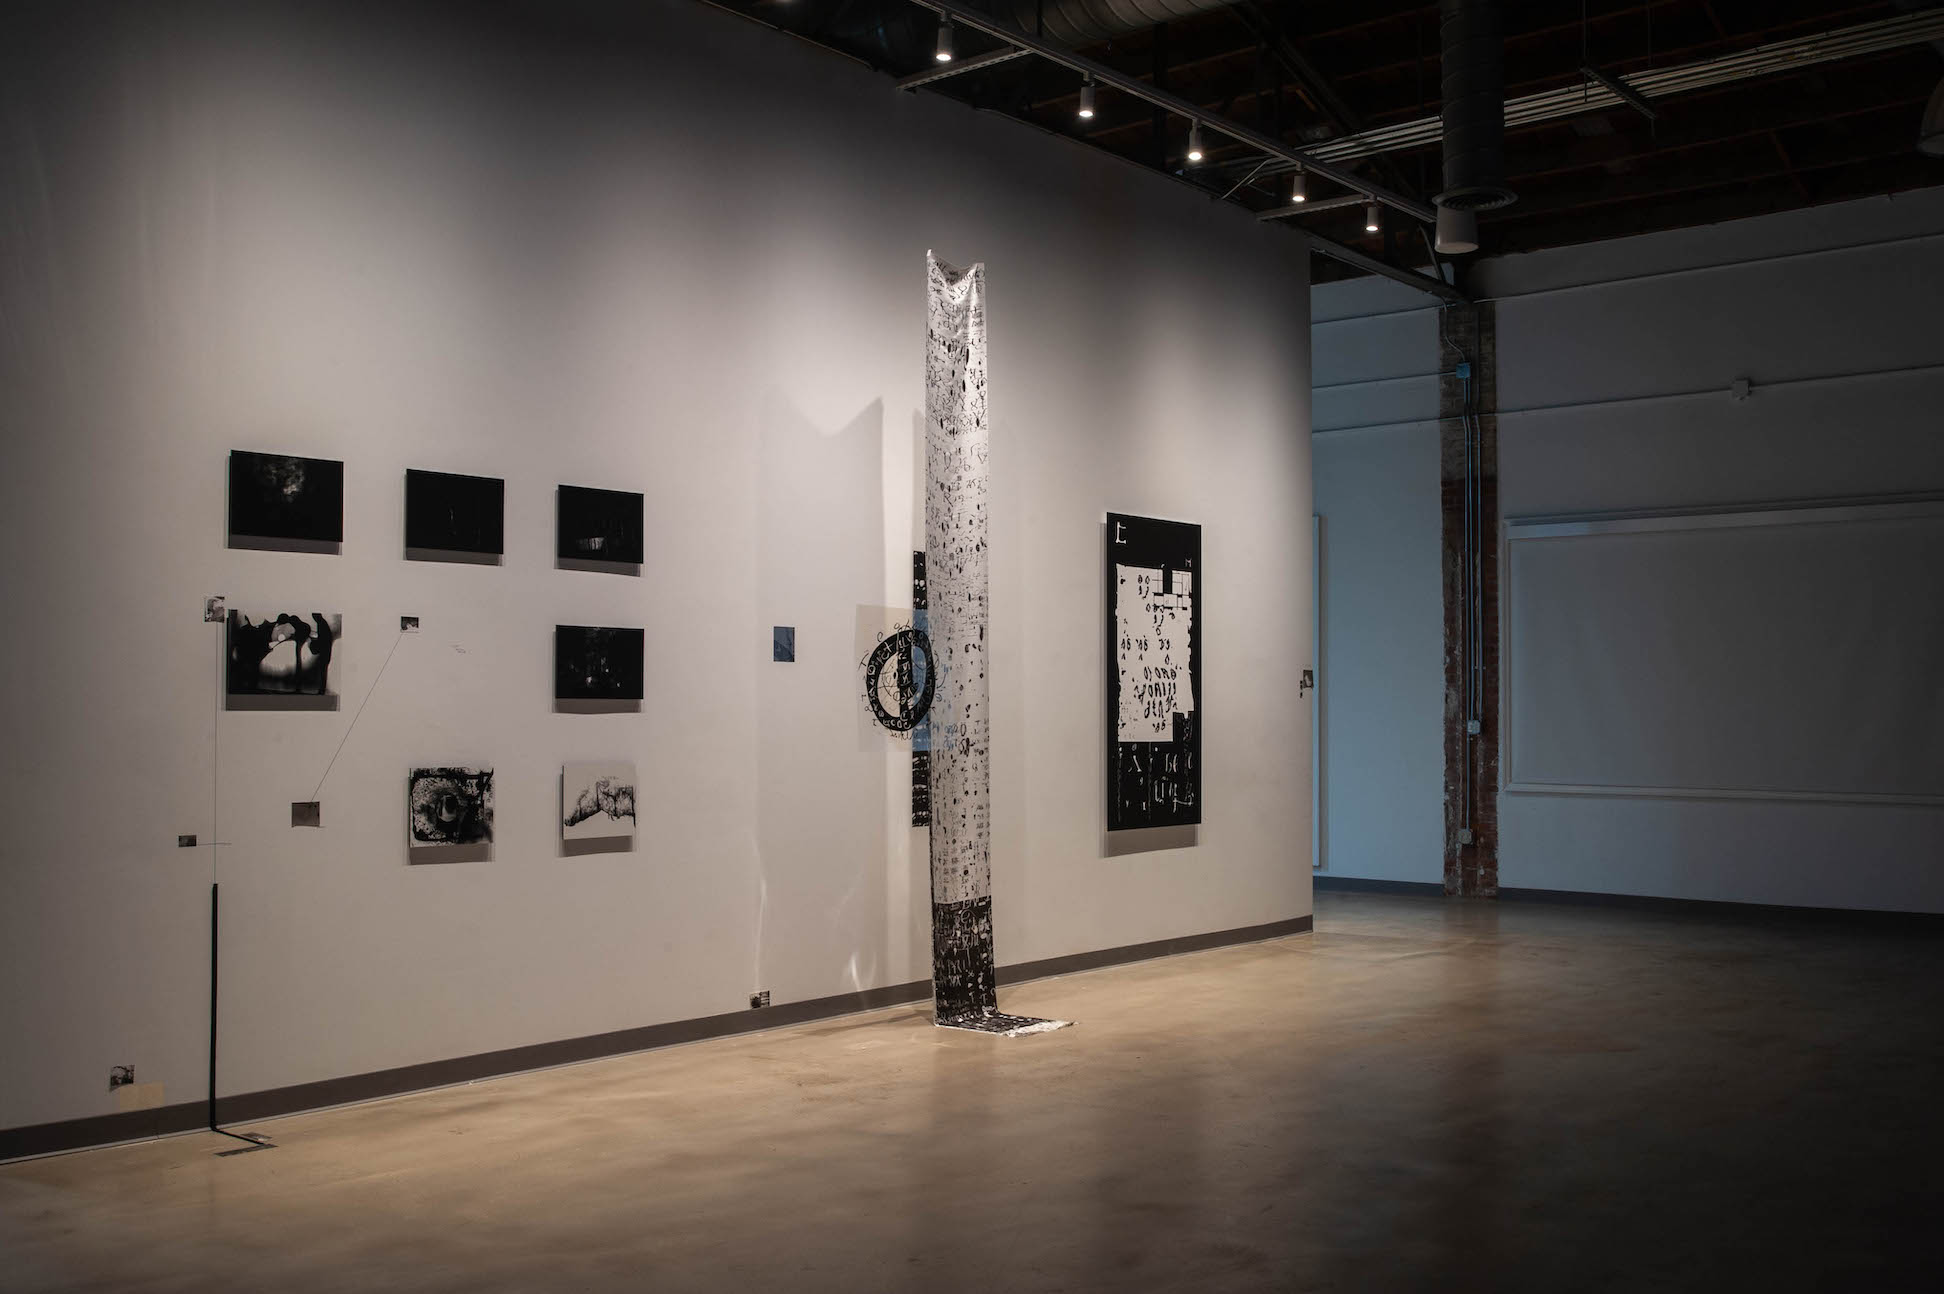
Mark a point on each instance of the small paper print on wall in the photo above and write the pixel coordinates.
(279, 497)
(1154, 673)
(451, 806)
(597, 801)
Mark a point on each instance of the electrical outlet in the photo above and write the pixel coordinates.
(120, 1076)
(1472, 727)
(1464, 835)
(1464, 369)
(757, 1001)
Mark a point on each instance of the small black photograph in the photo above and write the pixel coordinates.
(408, 624)
(783, 643)
(451, 806)
(448, 513)
(595, 664)
(277, 497)
(284, 655)
(600, 526)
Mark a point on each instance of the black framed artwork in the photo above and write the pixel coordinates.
(599, 525)
(1153, 673)
(451, 513)
(280, 497)
(592, 663)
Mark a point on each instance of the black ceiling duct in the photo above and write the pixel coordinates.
(1472, 63)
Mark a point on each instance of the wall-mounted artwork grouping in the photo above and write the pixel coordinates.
(284, 501)
(592, 663)
(1154, 680)
(278, 497)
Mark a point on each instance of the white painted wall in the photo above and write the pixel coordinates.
(1699, 320)
(685, 258)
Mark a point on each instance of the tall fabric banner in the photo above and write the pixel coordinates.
(957, 450)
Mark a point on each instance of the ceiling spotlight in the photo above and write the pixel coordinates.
(1371, 223)
(1194, 141)
(1299, 186)
(944, 54)
(1087, 99)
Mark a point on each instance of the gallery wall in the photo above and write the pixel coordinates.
(662, 251)
(1811, 774)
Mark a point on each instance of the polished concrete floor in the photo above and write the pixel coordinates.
(1421, 1095)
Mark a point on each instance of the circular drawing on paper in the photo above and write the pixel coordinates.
(899, 679)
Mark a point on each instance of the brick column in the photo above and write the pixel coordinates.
(1468, 433)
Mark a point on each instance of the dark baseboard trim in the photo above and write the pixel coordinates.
(1072, 962)
(140, 1125)
(1926, 922)
(102, 1130)
(1362, 885)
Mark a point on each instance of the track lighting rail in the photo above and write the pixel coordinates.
(971, 18)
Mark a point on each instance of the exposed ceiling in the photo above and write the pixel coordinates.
(1310, 75)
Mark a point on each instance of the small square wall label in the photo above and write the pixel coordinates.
(783, 643)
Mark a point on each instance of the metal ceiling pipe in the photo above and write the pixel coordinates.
(1122, 83)
(1087, 22)
(1472, 62)
(1578, 99)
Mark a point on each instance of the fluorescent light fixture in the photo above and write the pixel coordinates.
(1087, 99)
(1194, 141)
(1299, 186)
(1372, 223)
(944, 54)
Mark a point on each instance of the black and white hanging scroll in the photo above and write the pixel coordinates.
(964, 987)
(1154, 676)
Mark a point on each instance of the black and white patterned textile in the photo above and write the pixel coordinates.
(957, 451)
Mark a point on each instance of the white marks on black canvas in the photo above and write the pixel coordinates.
(1154, 682)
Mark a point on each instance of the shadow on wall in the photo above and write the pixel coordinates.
(1148, 840)
(823, 802)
